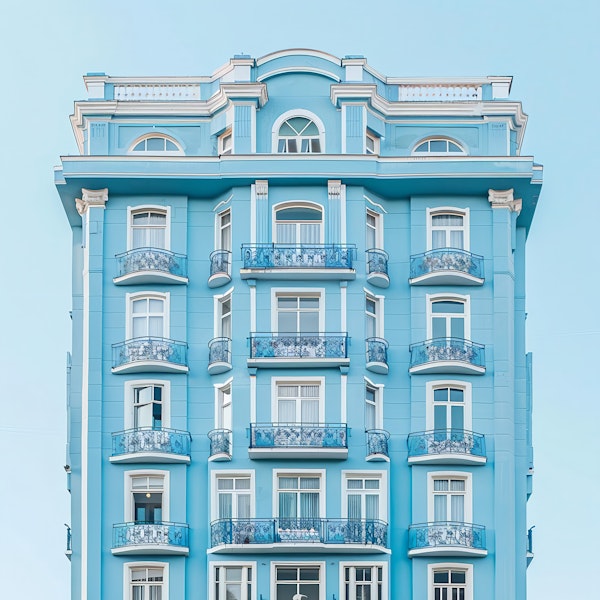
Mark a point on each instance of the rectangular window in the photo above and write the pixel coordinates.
(373, 316)
(298, 313)
(224, 230)
(223, 316)
(147, 498)
(299, 499)
(448, 317)
(371, 143)
(226, 142)
(148, 316)
(374, 239)
(449, 584)
(448, 228)
(298, 403)
(372, 407)
(363, 497)
(363, 583)
(148, 229)
(148, 406)
(298, 582)
(448, 408)
(233, 582)
(223, 416)
(234, 497)
(146, 583)
(450, 497)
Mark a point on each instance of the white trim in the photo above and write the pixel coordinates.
(379, 206)
(343, 398)
(378, 388)
(379, 301)
(252, 398)
(383, 490)
(223, 203)
(253, 307)
(156, 134)
(343, 128)
(218, 300)
(464, 299)
(430, 386)
(253, 128)
(468, 495)
(151, 564)
(253, 213)
(212, 566)
(342, 214)
(320, 473)
(322, 566)
(438, 210)
(379, 242)
(128, 508)
(166, 210)
(297, 292)
(214, 492)
(297, 204)
(131, 297)
(363, 564)
(218, 388)
(303, 380)
(468, 568)
(343, 308)
(441, 138)
(297, 112)
(165, 384)
(218, 229)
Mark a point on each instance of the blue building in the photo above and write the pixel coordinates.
(299, 366)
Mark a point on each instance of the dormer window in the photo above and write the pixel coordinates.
(438, 146)
(298, 132)
(156, 144)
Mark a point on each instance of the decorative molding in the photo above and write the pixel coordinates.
(334, 189)
(91, 198)
(262, 189)
(504, 199)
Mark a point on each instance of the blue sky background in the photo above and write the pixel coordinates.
(551, 47)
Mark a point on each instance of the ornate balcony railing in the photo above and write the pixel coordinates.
(311, 435)
(146, 439)
(220, 442)
(69, 549)
(446, 259)
(446, 534)
(377, 442)
(220, 268)
(219, 355)
(151, 259)
(377, 355)
(446, 441)
(308, 530)
(305, 256)
(143, 349)
(439, 92)
(301, 345)
(157, 91)
(377, 261)
(447, 350)
(150, 534)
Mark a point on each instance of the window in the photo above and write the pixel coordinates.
(223, 316)
(234, 496)
(449, 497)
(146, 582)
(373, 404)
(298, 582)
(363, 499)
(448, 229)
(374, 238)
(448, 318)
(223, 241)
(233, 582)
(448, 408)
(371, 143)
(226, 142)
(148, 316)
(148, 229)
(156, 144)
(299, 500)
(298, 314)
(373, 316)
(223, 412)
(438, 146)
(148, 406)
(298, 403)
(147, 502)
(363, 582)
(298, 134)
(452, 582)
(300, 224)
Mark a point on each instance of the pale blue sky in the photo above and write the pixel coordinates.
(551, 48)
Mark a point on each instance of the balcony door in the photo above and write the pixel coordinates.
(449, 500)
(298, 225)
(298, 314)
(299, 500)
(147, 406)
(298, 403)
(448, 319)
(362, 495)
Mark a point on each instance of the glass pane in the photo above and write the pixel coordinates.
(439, 417)
(458, 417)
(448, 306)
(457, 508)
(309, 483)
(243, 507)
(286, 411)
(457, 395)
(440, 512)
(171, 147)
(458, 577)
(287, 505)
(309, 322)
(452, 147)
(309, 574)
(447, 220)
(225, 484)
(287, 322)
(140, 146)
(372, 506)
(437, 145)
(288, 483)
(292, 145)
(456, 239)
(242, 484)
(440, 577)
(155, 144)
(309, 303)
(298, 124)
(233, 591)
(355, 484)
(438, 239)
(422, 147)
(440, 395)
(298, 213)
(372, 484)
(457, 328)
(438, 328)
(310, 411)
(315, 146)
(285, 574)
(440, 485)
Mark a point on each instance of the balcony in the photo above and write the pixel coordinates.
(300, 535)
(149, 354)
(219, 355)
(377, 268)
(308, 261)
(150, 265)
(377, 445)
(298, 350)
(147, 445)
(220, 268)
(446, 538)
(150, 538)
(377, 355)
(220, 445)
(446, 446)
(302, 441)
(447, 355)
(446, 266)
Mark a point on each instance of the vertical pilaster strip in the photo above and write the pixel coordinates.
(252, 373)
(243, 129)
(343, 396)
(343, 306)
(252, 285)
(261, 191)
(355, 129)
(334, 196)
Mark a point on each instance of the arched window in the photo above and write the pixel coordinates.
(298, 224)
(438, 146)
(298, 132)
(155, 144)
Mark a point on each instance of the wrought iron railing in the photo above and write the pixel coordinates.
(446, 259)
(149, 348)
(377, 350)
(219, 350)
(153, 534)
(69, 548)
(446, 441)
(447, 349)
(304, 256)
(377, 261)
(298, 435)
(147, 439)
(301, 345)
(220, 262)
(220, 441)
(307, 530)
(151, 259)
(445, 534)
(377, 441)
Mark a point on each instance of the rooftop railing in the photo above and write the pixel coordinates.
(439, 92)
(304, 435)
(305, 256)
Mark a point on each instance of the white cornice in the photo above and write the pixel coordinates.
(298, 52)
(504, 199)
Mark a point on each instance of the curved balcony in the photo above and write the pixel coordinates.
(144, 444)
(377, 445)
(298, 350)
(150, 538)
(309, 534)
(447, 355)
(220, 445)
(446, 538)
(148, 354)
(446, 266)
(301, 440)
(150, 265)
(377, 355)
(446, 446)
(220, 268)
(219, 355)
(306, 261)
(377, 268)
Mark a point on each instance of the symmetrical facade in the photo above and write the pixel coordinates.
(299, 365)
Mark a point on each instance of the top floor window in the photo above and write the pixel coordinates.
(156, 144)
(298, 132)
(438, 146)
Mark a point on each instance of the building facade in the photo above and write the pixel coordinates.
(298, 366)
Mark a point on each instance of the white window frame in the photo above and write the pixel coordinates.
(220, 228)
(378, 315)
(297, 204)
(378, 228)
(468, 568)
(224, 149)
(439, 138)
(321, 565)
(465, 300)
(219, 405)
(130, 298)
(244, 565)
(449, 210)
(154, 135)
(129, 502)
(353, 565)
(131, 210)
(146, 564)
(468, 495)
(214, 496)
(369, 135)
(277, 381)
(320, 473)
(218, 301)
(465, 386)
(383, 490)
(378, 389)
(298, 112)
(297, 292)
(130, 386)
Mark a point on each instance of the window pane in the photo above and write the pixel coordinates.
(437, 145)
(458, 577)
(440, 577)
(153, 144)
(448, 306)
(456, 395)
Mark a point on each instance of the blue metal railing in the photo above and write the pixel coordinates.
(220, 262)
(447, 349)
(446, 441)
(153, 534)
(149, 348)
(377, 441)
(304, 256)
(151, 259)
(446, 534)
(307, 530)
(446, 259)
(377, 261)
(146, 439)
(377, 350)
(220, 441)
(219, 350)
(69, 540)
(300, 435)
(301, 345)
